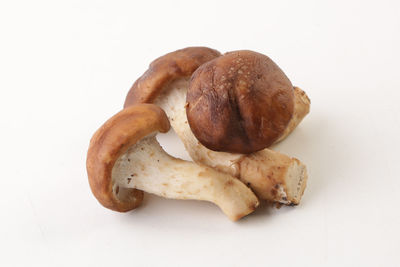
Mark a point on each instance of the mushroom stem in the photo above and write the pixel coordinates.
(147, 167)
(273, 176)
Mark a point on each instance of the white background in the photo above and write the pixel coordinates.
(66, 66)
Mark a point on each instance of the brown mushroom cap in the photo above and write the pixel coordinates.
(112, 140)
(240, 102)
(165, 69)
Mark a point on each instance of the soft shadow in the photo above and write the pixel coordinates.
(166, 214)
(314, 142)
(308, 144)
(266, 213)
(319, 143)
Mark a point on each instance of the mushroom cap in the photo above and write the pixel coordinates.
(240, 102)
(165, 69)
(113, 139)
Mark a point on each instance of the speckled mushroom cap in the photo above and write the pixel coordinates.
(112, 140)
(240, 102)
(165, 69)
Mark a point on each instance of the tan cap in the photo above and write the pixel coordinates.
(113, 139)
(165, 69)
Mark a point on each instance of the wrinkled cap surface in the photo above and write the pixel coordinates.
(165, 69)
(240, 102)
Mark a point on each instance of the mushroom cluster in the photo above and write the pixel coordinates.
(227, 110)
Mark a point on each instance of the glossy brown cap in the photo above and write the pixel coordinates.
(240, 102)
(180, 63)
(112, 140)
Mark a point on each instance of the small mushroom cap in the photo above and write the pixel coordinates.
(112, 140)
(240, 102)
(180, 63)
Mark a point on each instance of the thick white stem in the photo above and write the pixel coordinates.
(146, 166)
(272, 175)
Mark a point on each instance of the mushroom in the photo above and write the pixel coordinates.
(124, 159)
(241, 102)
(272, 176)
